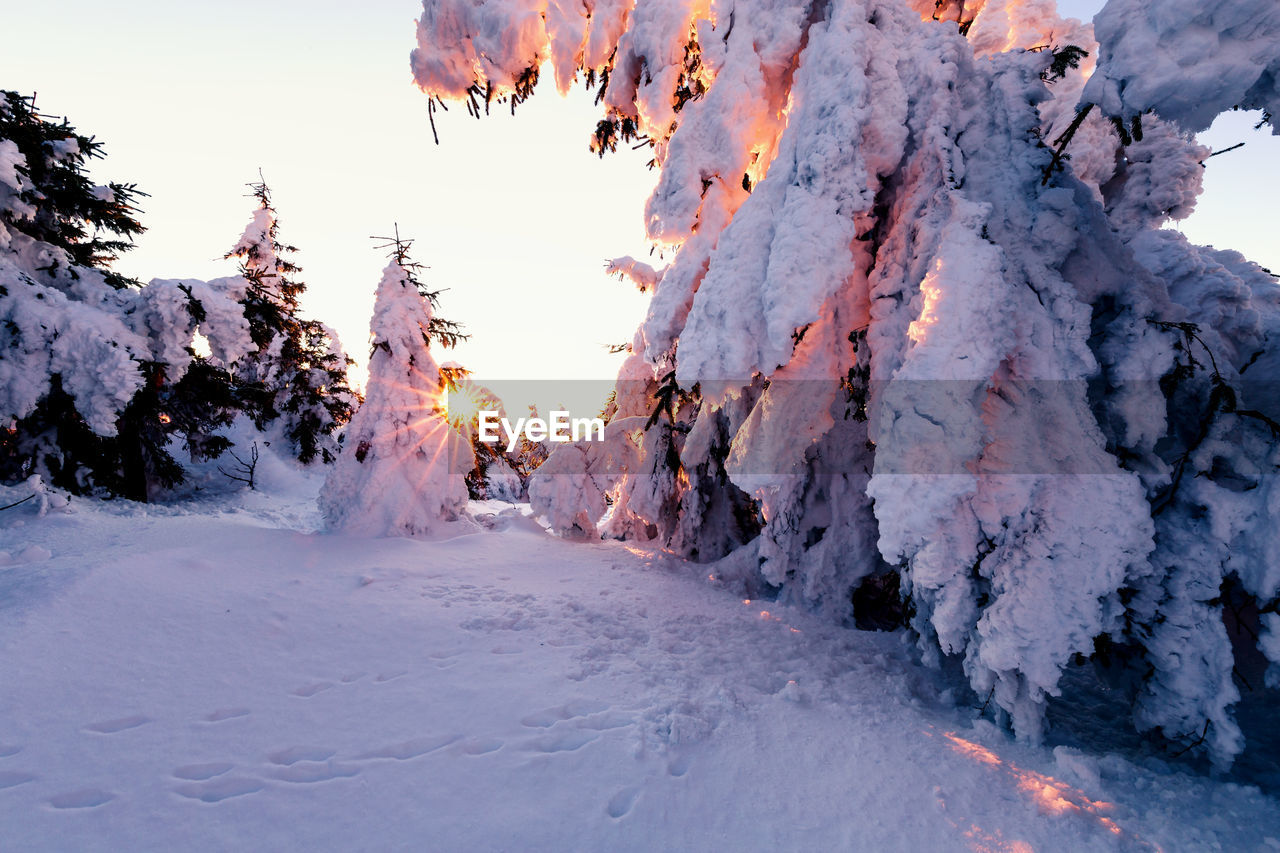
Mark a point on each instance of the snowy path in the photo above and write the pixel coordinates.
(217, 682)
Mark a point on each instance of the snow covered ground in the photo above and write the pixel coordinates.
(220, 676)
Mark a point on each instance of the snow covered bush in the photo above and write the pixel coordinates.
(920, 319)
(402, 467)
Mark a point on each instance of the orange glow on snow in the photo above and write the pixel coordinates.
(1052, 796)
(918, 331)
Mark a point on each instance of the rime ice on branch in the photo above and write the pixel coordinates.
(885, 285)
(1187, 60)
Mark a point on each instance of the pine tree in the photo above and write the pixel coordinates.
(403, 466)
(97, 375)
(296, 380)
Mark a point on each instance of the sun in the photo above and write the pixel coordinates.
(463, 403)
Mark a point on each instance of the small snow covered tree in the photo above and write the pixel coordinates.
(403, 466)
(97, 375)
(925, 337)
(296, 379)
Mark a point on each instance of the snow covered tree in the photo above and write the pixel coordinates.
(296, 379)
(403, 466)
(97, 374)
(920, 316)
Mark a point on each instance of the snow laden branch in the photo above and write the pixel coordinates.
(904, 341)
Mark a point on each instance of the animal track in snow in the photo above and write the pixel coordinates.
(306, 691)
(353, 677)
(384, 677)
(110, 727)
(226, 714)
(12, 779)
(621, 802)
(414, 748)
(221, 788)
(294, 754)
(202, 772)
(9, 749)
(85, 798)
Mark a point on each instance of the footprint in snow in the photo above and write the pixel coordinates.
(311, 772)
(566, 741)
(680, 765)
(548, 717)
(353, 677)
(606, 720)
(110, 727)
(226, 714)
(294, 754)
(306, 691)
(219, 789)
(12, 779)
(480, 746)
(384, 677)
(408, 749)
(620, 804)
(9, 749)
(86, 798)
(202, 772)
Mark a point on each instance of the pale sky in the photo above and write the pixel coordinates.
(514, 216)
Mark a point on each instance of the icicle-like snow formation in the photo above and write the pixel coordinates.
(402, 468)
(899, 335)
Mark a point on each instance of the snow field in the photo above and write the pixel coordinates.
(230, 680)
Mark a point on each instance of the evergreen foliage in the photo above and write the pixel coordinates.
(296, 378)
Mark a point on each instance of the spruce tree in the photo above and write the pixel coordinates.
(402, 467)
(97, 374)
(296, 379)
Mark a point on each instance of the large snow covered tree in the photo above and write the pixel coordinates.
(97, 374)
(295, 381)
(920, 320)
(403, 466)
